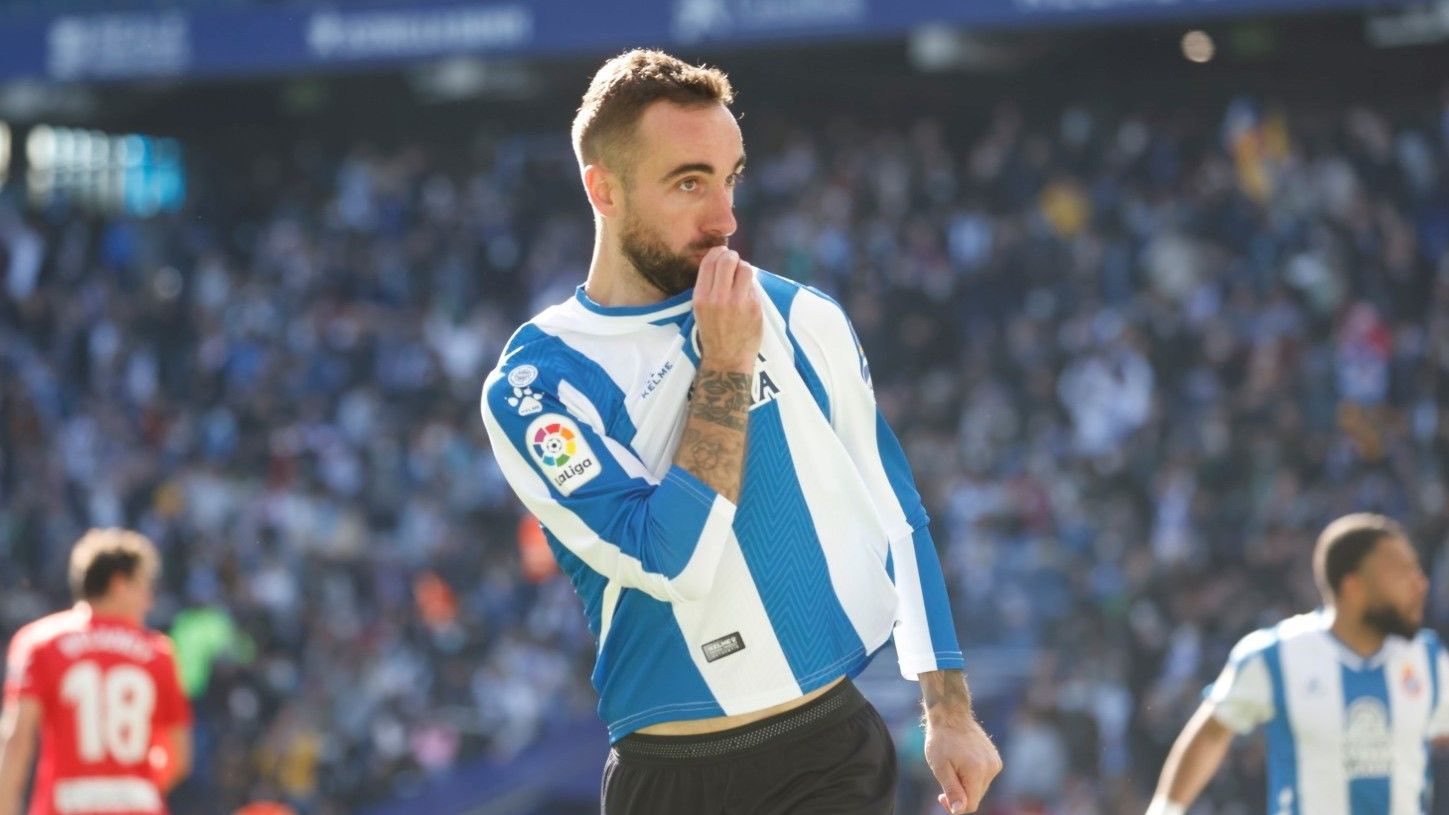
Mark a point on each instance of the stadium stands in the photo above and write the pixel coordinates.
(1137, 360)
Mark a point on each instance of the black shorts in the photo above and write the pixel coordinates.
(831, 756)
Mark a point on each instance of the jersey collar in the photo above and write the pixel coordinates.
(669, 307)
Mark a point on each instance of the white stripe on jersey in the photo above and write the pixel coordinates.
(1314, 694)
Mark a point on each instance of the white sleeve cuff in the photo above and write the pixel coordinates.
(1161, 806)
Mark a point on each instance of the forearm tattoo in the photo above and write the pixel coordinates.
(713, 445)
(945, 693)
(721, 398)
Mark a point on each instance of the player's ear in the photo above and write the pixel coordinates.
(1351, 588)
(603, 188)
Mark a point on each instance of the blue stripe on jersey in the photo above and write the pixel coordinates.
(782, 293)
(1282, 749)
(556, 361)
(673, 690)
(1368, 796)
(898, 470)
(686, 329)
(938, 606)
(782, 551)
(1431, 646)
(588, 584)
(677, 319)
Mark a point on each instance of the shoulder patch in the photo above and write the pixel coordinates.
(561, 452)
(522, 376)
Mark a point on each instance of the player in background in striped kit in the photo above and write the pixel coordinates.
(701, 444)
(1351, 694)
(101, 691)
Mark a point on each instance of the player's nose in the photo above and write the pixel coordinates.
(719, 215)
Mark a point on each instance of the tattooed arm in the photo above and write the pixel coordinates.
(945, 697)
(713, 446)
(730, 324)
(958, 751)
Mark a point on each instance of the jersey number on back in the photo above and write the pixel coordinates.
(112, 711)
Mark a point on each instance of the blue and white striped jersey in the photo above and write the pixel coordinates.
(702, 608)
(1346, 735)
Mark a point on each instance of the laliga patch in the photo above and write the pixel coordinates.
(561, 452)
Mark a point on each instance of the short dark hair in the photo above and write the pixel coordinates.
(101, 554)
(1345, 543)
(624, 87)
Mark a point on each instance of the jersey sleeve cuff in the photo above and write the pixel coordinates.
(913, 665)
(689, 489)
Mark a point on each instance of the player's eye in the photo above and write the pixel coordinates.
(734, 178)
(689, 185)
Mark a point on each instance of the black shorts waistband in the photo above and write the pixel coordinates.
(835, 704)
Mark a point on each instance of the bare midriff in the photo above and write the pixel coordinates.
(695, 727)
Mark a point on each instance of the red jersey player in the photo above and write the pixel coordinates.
(100, 689)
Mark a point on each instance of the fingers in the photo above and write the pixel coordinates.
(953, 795)
(727, 311)
(984, 774)
(976, 779)
(724, 279)
(744, 278)
(976, 788)
(724, 269)
(705, 283)
(963, 788)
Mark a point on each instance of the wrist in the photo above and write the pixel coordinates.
(745, 366)
(1162, 806)
(952, 715)
(946, 699)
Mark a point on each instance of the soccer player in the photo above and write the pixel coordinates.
(100, 690)
(702, 446)
(1351, 694)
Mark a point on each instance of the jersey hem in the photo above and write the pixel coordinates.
(849, 666)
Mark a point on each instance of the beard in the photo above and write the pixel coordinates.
(666, 270)
(1388, 620)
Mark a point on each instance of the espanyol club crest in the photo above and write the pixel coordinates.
(1413, 686)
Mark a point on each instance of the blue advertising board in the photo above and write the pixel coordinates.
(127, 45)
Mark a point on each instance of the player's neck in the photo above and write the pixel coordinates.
(112, 610)
(1360, 638)
(613, 281)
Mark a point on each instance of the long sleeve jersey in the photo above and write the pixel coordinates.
(702, 608)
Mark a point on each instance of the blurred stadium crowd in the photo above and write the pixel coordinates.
(1137, 360)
